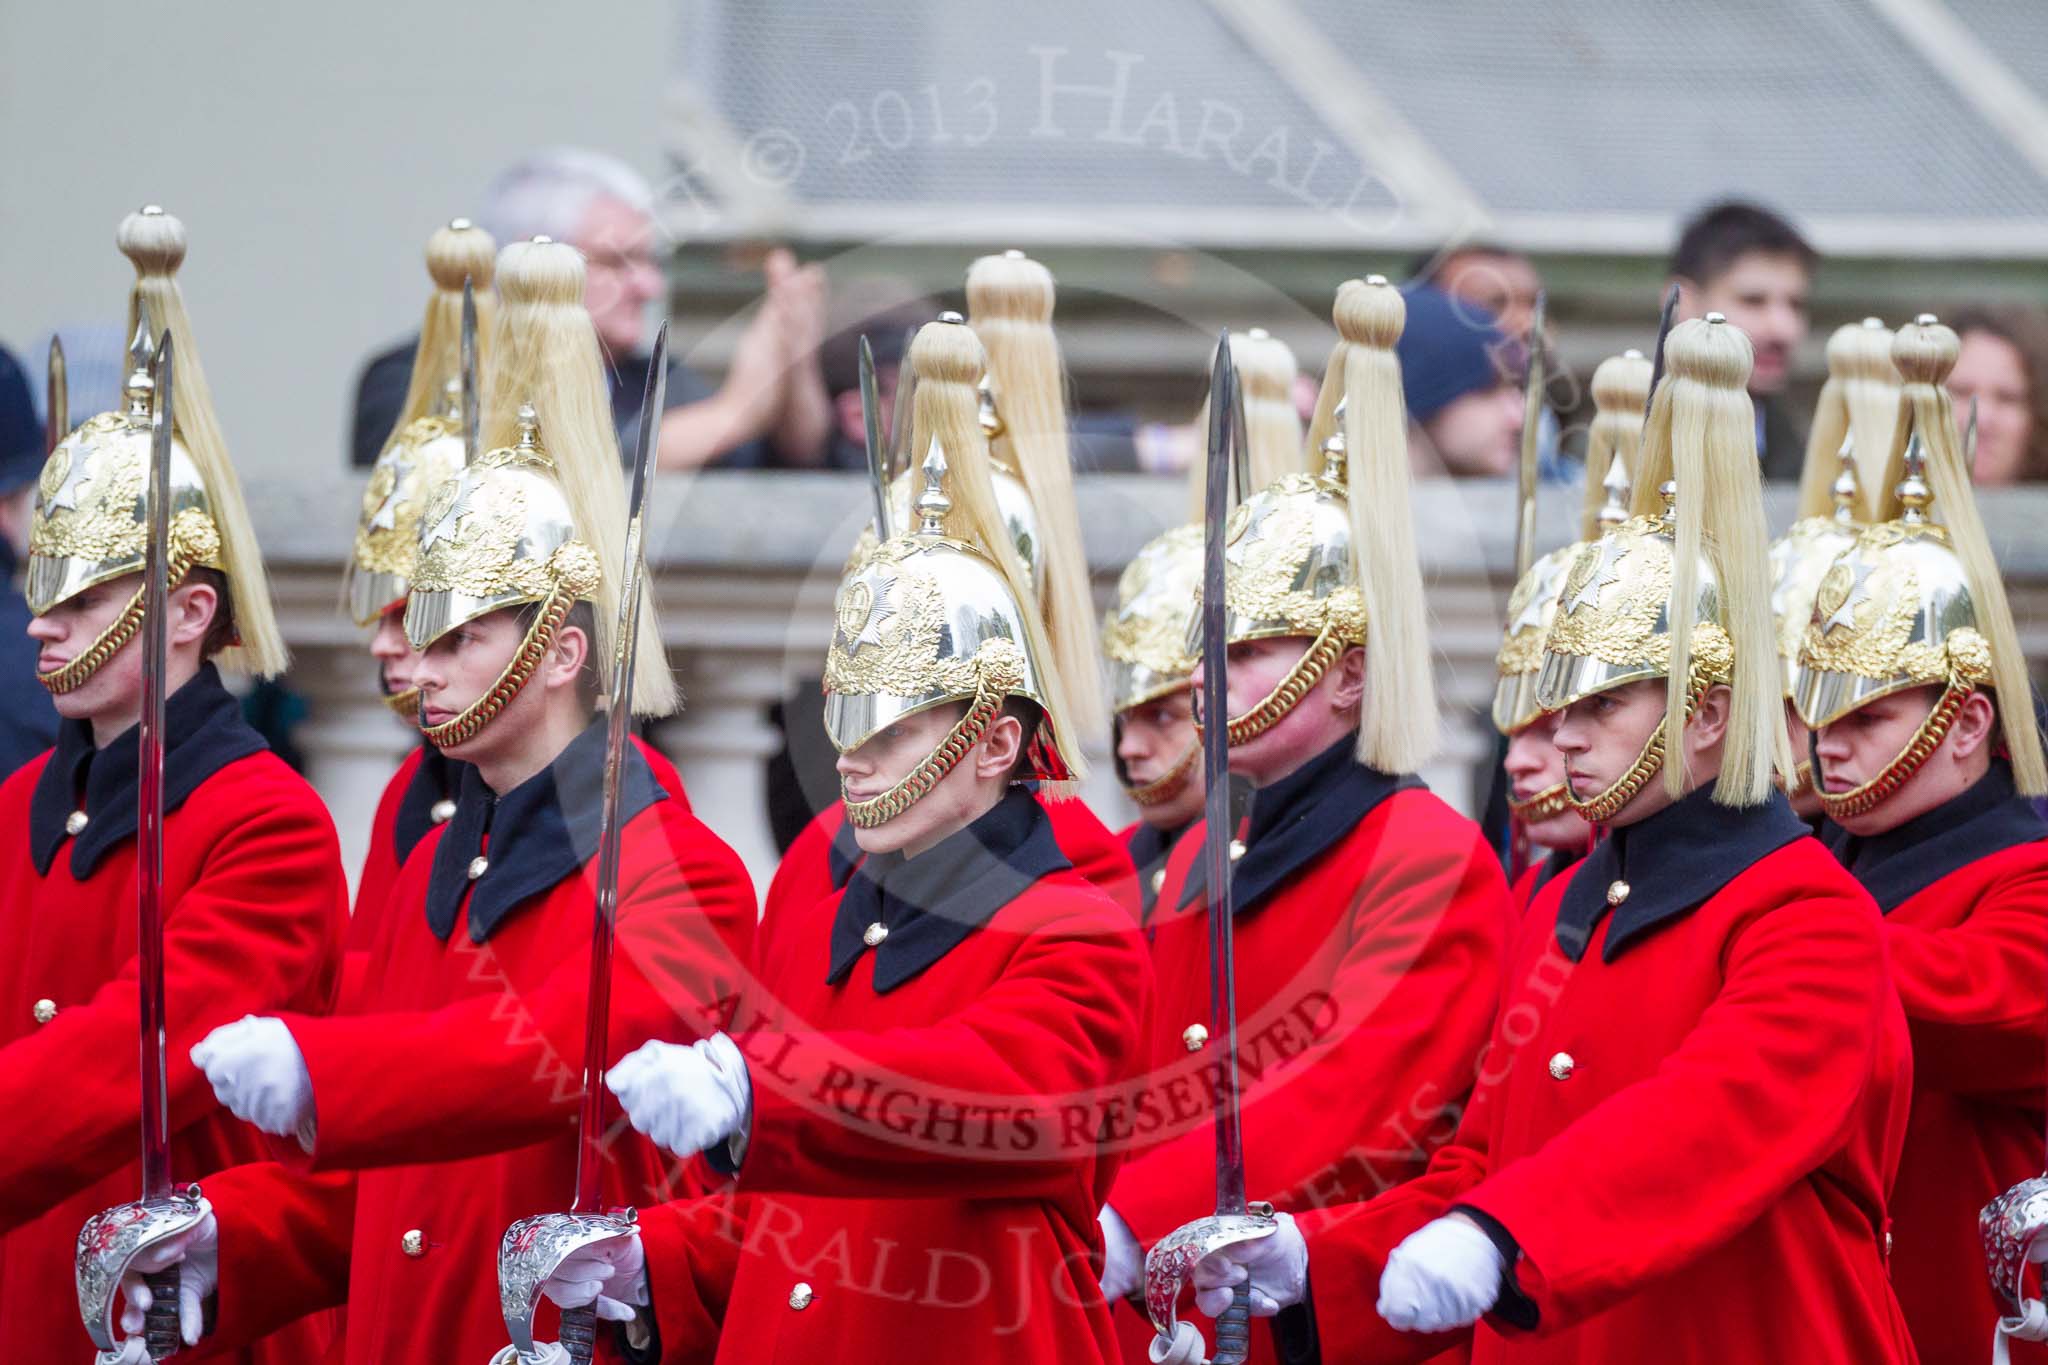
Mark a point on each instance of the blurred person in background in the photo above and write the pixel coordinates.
(1461, 377)
(772, 408)
(2003, 369)
(1506, 284)
(28, 720)
(1753, 267)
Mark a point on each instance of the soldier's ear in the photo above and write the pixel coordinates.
(567, 655)
(194, 604)
(996, 755)
(1709, 722)
(1975, 725)
(1350, 675)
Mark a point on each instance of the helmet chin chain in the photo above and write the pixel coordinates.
(1606, 805)
(1861, 800)
(464, 727)
(1547, 804)
(1168, 784)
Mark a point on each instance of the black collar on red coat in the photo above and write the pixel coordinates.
(437, 778)
(1149, 846)
(203, 733)
(541, 832)
(844, 855)
(1296, 820)
(1901, 863)
(931, 903)
(1673, 862)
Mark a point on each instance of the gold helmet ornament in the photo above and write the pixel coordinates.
(943, 613)
(425, 447)
(1621, 389)
(532, 522)
(1322, 555)
(1915, 602)
(1680, 590)
(90, 523)
(1145, 641)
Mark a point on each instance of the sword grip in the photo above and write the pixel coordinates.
(160, 1333)
(1234, 1329)
(579, 1333)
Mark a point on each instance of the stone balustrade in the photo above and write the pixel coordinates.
(744, 569)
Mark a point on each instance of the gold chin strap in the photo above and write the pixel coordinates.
(462, 728)
(1933, 730)
(72, 675)
(1547, 804)
(994, 677)
(1327, 647)
(1169, 784)
(405, 705)
(1605, 806)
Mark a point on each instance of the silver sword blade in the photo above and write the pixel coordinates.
(618, 734)
(471, 394)
(878, 450)
(57, 393)
(1532, 430)
(149, 827)
(1217, 831)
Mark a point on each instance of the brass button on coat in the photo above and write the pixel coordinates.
(75, 823)
(801, 1296)
(45, 1010)
(1617, 892)
(442, 811)
(1194, 1036)
(414, 1243)
(1158, 880)
(1236, 849)
(478, 866)
(874, 934)
(1562, 1066)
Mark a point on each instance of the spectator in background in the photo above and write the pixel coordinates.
(772, 408)
(2004, 368)
(1505, 284)
(886, 311)
(1461, 378)
(28, 720)
(1753, 267)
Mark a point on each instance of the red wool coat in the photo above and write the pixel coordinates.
(381, 864)
(924, 1165)
(805, 875)
(1970, 956)
(446, 1091)
(1366, 983)
(255, 906)
(1690, 1143)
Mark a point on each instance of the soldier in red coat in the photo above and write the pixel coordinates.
(912, 1098)
(1158, 752)
(425, 448)
(437, 1104)
(1692, 1105)
(1926, 747)
(254, 898)
(1371, 919)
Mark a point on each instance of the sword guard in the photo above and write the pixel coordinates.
(107, 1245)
(2014, 1227)
(1171, 1264)
(529, 1253)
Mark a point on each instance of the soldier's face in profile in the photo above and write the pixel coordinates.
(1861, 745)
(1153, 738)
(1534, 766)
(953, 802)
(112, 695)
(1327, 713)
(1599, 737)
(395, 656)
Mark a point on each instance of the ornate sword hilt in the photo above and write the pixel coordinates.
(2014, 1227)
(1171, 1264)
(107, 1246)
(529, 1253)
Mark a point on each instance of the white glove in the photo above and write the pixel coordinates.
(1443, 1276)
(258, 1072)
(196, 1254)
(1277, 1267)
(612, 1275)
(543, 1353)
(685, 1098)
(1123, 1265)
